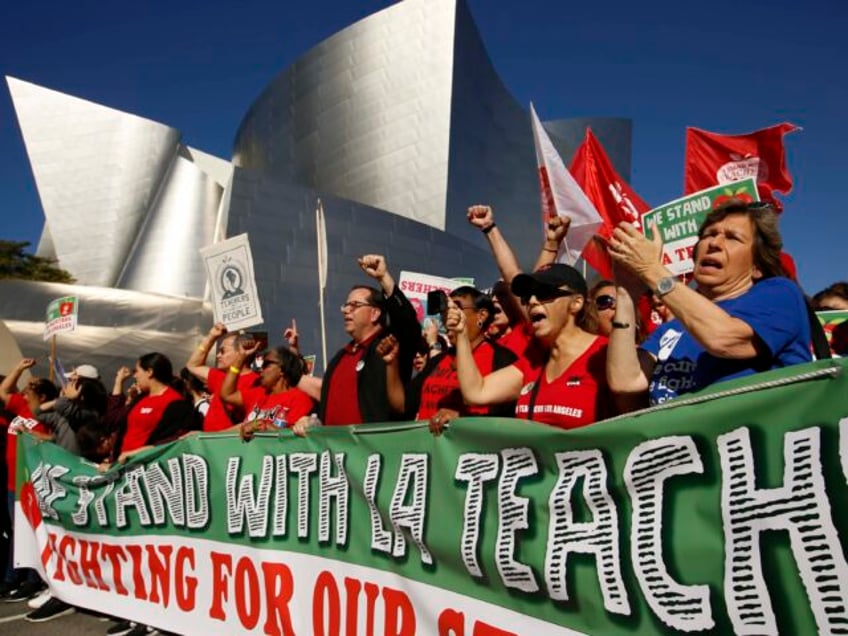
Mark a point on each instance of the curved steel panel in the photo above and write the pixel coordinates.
(165, 257)
(365, 114)
(97, 171)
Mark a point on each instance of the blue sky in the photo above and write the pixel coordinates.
(724, 66)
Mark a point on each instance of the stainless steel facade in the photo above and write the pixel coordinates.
(124, 204)
(399, 122)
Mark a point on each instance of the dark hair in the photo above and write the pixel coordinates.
(160, 365)
(767, 241)
(479, 300)
(375, 299)
(44, 389)
(838, 289)
(191, 381)
(292, 365)
(92, 395)
(90, 437)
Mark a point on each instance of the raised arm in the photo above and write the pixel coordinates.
(482, 217)
(556, 230)
(628, 368)
(389, 349)
(10, 382)
(403, 320)
(502, 385)
(719, 333)
(229, 393)
(196, 363)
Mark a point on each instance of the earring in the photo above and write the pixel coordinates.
(479, 324)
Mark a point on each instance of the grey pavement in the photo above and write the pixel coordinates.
(76, 624)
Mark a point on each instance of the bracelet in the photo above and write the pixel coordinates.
(489, 228)
(548, 249)
(620, 325)
(235, 370)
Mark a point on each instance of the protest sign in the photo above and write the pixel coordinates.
(61, 316)
(416, 286)
(229, 270)
(718, 513)
(678, 221)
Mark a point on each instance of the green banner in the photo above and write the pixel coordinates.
(717, 513)
(678, 221)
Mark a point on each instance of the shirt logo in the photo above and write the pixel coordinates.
(668, 342)
(146, 410)
(360, 365)
(573, 381)
(527, 388)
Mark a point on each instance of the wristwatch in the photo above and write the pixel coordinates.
(436, 346)
(665, 285)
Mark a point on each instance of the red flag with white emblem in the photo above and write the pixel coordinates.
(613, 197)
(713, 159)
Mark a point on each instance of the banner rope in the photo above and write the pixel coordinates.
(831, 371)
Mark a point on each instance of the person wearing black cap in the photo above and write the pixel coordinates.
(562, 381)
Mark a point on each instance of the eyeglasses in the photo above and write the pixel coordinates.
(268, 363)
(605, 301)
(353, 305)
(497, 311)
(546, 295)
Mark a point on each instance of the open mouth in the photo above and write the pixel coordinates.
(709, 263)
(537, 316)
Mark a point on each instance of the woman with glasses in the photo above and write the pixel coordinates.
(744, 316)
(602, 299)
(277, 402)
(434, 394)
(562, 379)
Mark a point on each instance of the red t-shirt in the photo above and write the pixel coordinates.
(291, 405)
(518, 339)
(440, 389)
(24, 421)
(579, 396)
(221, 415)
(343, 395)
(144, 416)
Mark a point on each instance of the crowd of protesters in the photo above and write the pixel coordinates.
(541, 346)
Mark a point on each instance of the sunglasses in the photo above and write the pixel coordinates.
(605, 301)
(268, 363)
(546, 295)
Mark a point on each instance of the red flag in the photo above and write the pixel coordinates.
(713, 159)
(612, 196)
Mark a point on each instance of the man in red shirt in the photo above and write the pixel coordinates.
(353, 390)
(220, 415)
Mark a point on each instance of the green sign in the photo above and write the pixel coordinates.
(679, 220)
(720, 513)
(61, 316)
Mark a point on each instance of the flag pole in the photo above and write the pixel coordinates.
(321, 249)
(52, 375)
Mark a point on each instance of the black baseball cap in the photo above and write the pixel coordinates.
(551, 276)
